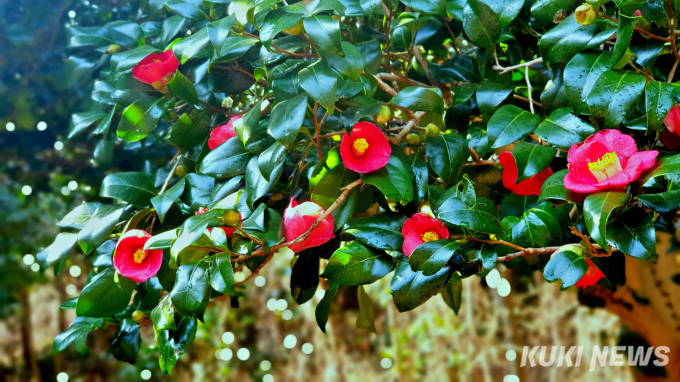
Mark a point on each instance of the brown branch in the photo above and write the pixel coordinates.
(293, 54)
(585, 239)
(241, 70)
(474, 154)
(385, 87)
(412, 122)
(502, 242)
(525, 99)
(527, 251)
(644, 32)
(403, 80)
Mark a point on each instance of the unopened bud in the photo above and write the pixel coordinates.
(113, 48)
(432, 129)
(413, 139)
(231, 218)
(585, 14)
(383, 115)
(138, 316)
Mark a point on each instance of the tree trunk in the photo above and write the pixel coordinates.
(32, 368)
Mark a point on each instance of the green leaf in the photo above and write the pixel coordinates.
(163, 315)
(394, 180)
(79, 216)
(235, 47)
(222, 273)
(286, 119)
(304, 277)
(191, 287)
(482, 217)
(380, 231)
(323, 309)
(419, 99)
(190, 9)
(633, 234)
(662, 203)
(431, 256)
(133, 187)
(76, 333)
(351, 65)
(510, 124)
(193, 228)
(580, 76)
(563, 129)
(190, 130)
(446, 154)
(532, 159)
(567, 39)
(659, 98)
(256, 185)
(481, 24)
(139, 119)
(553, 188)
(411, 289)
(173, 343)
(276, 21)
(327, 179)
(324, 32)
(544, 10)
(596, 211)
(98, 229)
(246, 126)
(355, 264)
(365, 320)
(226, 160)
(105, 124)
(319, 81)
(81, 121)
(506, 10)
(171, 26)
(624, 33)
(566, 266)
(102, 297)
(125, 346)
(183, 88)
(452, 293)
(164, 201)
(490, 94)
(664, 166)
(57, 252)
(270, 162)
(219, 30)
(615, 95)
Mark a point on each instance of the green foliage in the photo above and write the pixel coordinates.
(461, 80)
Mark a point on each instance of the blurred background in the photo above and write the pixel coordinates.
(43, 175)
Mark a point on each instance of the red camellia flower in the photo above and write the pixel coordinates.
(366, 149)
(132, 261)
(591, 277)
(607, 160)
(222, 133)
(227, 230)
(671, 136)
(157, 69)
(297, 219)
(420, 228)
(531, 186)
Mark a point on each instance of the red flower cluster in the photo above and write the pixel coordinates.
(132, 261)
(531, 186)
(222, 133)
(420, 228)
(157, 69)
(366, 149)
(297, 219)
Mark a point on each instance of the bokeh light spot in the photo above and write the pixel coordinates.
(307, 348)
(74, 271)
(504, 287)
(62, 377)
(260, 281)
(386, 363)
(287, 314)
(493, 278)
(71, 289)
(228, 337)
(265, 365)
(42, 126)
(26, 190)
(227, 354)
(243, 354)
(10, 126)
(29, 259)
(290, 341)
(511, 355)
(145, 374)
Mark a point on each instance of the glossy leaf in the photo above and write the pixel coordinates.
(103, 297)
(411, 289)
(133, 187)
(510, 124)
(356, 264)
(596, 210)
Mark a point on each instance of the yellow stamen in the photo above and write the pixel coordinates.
(605, 167)
(360, 146)
(430, 236)
(139, 256)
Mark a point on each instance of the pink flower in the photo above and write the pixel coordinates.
(222, 133)
(130, 259)
(531, 186)
(366, 149)
(671, 136)
(227, 230)
(607, 160)
(157, 69)
(420, 228)
(591, 277)
(297, 219)
(638, 13)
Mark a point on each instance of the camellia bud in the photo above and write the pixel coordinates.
(585, 14)
(295, 29)
(113, 48)
(138, 316)
(231, 218)
(432, 129)
(577, 249)
(383, 115)
(413, 139)
(624, 59)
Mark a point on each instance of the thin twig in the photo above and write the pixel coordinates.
(644, 32)
(489, 162)
(475, 156)
(525, 99)
(504, 70)
(241, 70)
(412, 122)
(531, 99)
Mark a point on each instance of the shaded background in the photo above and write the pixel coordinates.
(43, 176)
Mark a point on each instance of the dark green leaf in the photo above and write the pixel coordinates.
(446, 154)
(430, 257)
(183, 88)
(164, 201)
(226, 160)
(566, 266)
(615, 95)
(98, 229)
(323, 309)
(481, 24)
(139, 119)
(419, 99)
(411, 289)
(532, 159)
(79, 216)
(365, 319)
(596, 211)
(102, 297)
(356, 264)
(633, 234)
(563, 129)
(319, 81)
(567, 39)
(483, 217)
(190, 288)
(286, 119)
(394, 180)
(662, 203)
(452, 293)
(510, 124)
(222, 273)
(324, 32)
(133, 187)
(380, 231)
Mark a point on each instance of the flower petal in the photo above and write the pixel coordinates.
(411, 242)
(377, 154)
(615, 141)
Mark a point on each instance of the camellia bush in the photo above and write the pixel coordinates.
(424, 141)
